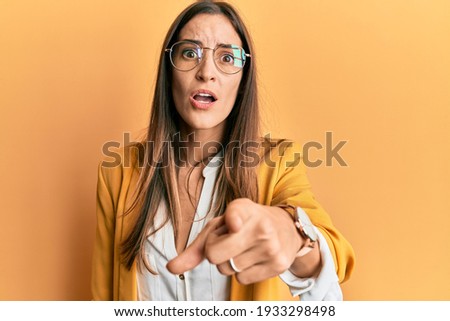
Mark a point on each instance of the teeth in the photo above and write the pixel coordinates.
(204, 95)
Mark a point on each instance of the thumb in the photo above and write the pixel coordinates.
(194, 254)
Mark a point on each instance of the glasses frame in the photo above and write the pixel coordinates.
(200, 60)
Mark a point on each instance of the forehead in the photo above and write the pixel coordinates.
(210, 30)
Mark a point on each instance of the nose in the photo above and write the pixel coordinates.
(207, 69)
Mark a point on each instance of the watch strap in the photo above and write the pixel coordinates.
(308, 245)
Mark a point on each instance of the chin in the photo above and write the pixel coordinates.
(206, 125)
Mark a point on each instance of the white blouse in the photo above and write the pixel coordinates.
(205, 282)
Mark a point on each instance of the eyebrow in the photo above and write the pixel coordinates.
(198, 42)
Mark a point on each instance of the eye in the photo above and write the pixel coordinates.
(189, 54)
(227, 58)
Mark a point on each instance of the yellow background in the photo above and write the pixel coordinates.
(76, 74)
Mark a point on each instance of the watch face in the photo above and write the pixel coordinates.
(306, 224)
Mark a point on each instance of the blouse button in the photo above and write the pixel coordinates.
(181, 276)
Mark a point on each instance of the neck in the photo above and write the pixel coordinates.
(198, 145)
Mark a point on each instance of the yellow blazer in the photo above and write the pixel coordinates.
(279, 182)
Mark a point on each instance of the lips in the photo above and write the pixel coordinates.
(202, 99)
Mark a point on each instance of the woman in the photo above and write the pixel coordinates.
(208, 211)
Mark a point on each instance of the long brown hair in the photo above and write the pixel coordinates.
(158, 176)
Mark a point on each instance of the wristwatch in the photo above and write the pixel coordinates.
(305, 227)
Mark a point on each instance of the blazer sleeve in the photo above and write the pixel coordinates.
(103, 255)
(292, 187)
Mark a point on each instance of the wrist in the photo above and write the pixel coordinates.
(308, 265)
(307, 260)
(305, 229)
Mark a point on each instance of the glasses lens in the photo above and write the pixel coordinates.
(230, 58)
(185, 55)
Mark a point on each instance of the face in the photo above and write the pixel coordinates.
(191, 89)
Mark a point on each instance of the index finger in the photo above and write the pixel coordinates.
(194, 254)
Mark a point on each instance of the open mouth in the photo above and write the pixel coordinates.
(204, 98)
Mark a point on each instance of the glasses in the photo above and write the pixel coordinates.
(186, 55)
